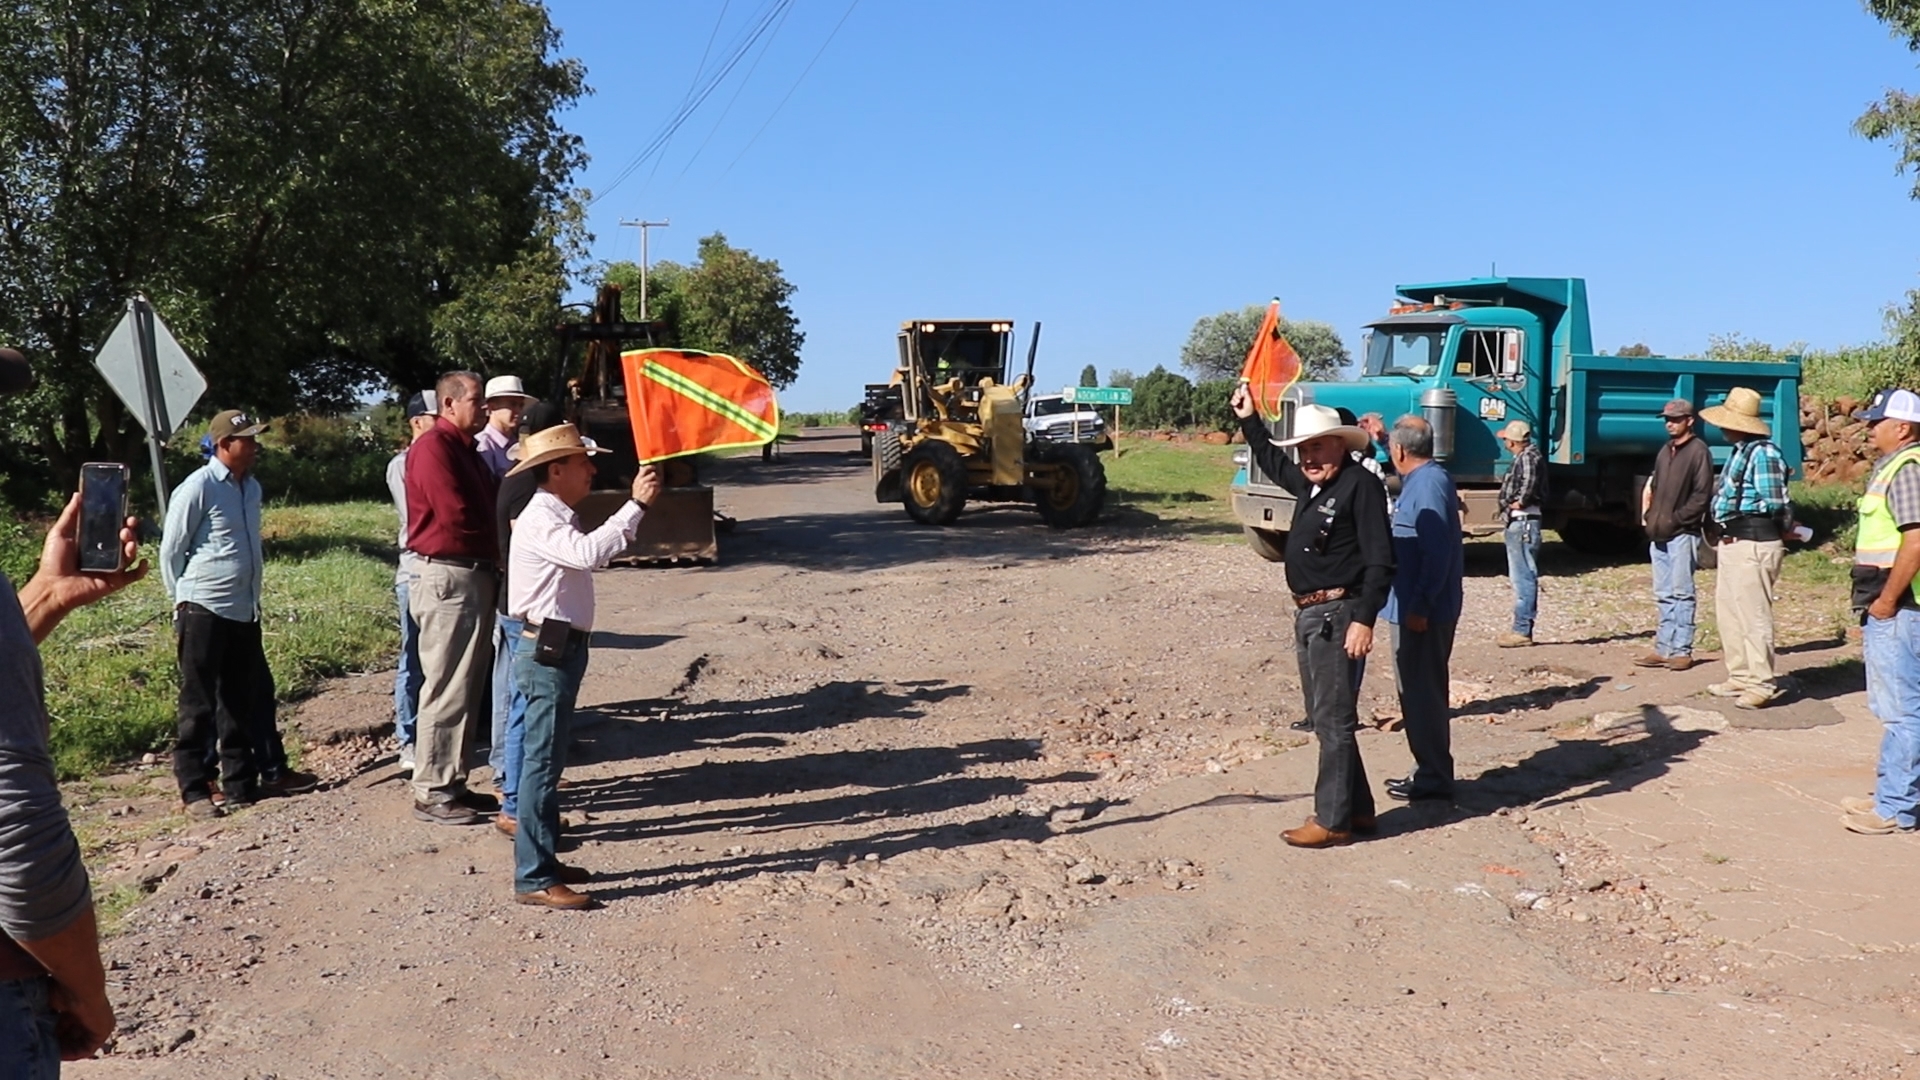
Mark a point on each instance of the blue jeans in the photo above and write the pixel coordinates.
(406, 676)
(1523, 568)
(1893, 694)
(1673, 564)
(550, 693)
(507, 772)
(29, 1048)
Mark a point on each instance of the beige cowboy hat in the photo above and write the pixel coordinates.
(1516, 431)
(1740, 412)
(507, 386)
(552, 444)
(1314, 421)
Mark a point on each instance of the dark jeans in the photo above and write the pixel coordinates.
(1340, 794)
(220, 665)
(1420, 659)
(550, 694)
(29, 1047)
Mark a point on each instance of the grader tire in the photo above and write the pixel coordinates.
(1079, 488)
(933, 483)
(1269, 544)
(886, 467)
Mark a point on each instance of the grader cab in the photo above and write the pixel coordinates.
(962, 438)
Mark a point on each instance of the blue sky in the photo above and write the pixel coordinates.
(1119, 170)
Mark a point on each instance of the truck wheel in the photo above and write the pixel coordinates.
(933, 483)
(1269, 544)
(866, 443)
(1079, 485)
(886, 467)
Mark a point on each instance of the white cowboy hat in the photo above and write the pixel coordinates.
(1740, 412)
(552, 444)
(505, 386)
(1314, 421)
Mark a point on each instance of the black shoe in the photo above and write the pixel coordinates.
(1305, 723)
(446, 813)
(284, 782)
(482, 804)
(1401, 788)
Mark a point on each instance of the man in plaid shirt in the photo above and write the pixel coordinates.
(1751, 509)
(1522, 492)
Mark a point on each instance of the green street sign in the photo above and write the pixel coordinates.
(1098, 395)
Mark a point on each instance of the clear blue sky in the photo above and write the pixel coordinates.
(1118, 170)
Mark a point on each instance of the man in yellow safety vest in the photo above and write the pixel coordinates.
(1886, 559)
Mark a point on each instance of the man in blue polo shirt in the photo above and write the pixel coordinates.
(1424, 606)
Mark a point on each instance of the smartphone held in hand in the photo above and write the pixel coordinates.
(103, 513)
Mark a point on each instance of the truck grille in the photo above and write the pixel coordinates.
(1078, 431)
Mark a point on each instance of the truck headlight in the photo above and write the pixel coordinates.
(1241, 457)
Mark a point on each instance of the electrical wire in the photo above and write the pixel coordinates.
(712, 36)
(724, 113)
(758, 28)
(796, 85)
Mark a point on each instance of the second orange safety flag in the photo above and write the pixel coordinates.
(1271, 366)
(683, 401)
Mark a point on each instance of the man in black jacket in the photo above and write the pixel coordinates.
(1674, 509)
(1339, 565)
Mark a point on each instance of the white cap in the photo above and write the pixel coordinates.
(501, 386)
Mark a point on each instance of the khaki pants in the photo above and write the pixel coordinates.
(1743, 602)
(453, 607)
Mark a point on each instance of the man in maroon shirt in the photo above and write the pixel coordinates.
(450, 530)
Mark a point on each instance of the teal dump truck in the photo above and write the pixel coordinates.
(1469, 356)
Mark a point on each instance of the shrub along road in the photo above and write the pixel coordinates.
(869, 799)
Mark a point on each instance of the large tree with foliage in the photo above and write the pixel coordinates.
(1896, 118)
(316, 194)
(1217, 347)
(729, 301)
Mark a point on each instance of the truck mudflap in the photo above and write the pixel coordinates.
(680, 527)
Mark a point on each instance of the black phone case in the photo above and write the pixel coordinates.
(101, 518)
(550, 647)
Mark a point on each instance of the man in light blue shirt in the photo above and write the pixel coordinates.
(1424, 606)
(211, 561)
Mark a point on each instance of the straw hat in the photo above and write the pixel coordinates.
(561, 440)
(1740, 412)
(1516, 431)
(507, 386)
(1313, 421)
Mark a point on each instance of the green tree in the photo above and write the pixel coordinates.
(1217, 346)
(299, 185)
(1896, 118)
(1210, 404)
(729, 301)
(1163, 399)
(1636, 349)
(1120, 377)
(1089, 377)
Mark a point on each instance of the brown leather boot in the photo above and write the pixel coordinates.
(1314, 835)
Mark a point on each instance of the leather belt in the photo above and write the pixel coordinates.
(464, 564)
(1318, 596)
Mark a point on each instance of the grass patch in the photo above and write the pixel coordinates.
(110, 909)
(1183, 485)
(112, 681)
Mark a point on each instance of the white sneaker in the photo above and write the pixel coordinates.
(1726, 689)
(406, 757)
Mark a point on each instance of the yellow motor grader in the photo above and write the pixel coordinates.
(962, 434)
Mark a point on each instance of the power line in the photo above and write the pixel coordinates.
(712, 36)
(724, 113)
(758, 28)
(796, 85)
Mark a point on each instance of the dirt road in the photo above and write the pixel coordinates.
(873, 800)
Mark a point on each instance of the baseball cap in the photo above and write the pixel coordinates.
(423, 403)
(15, 374)
(1677, 408)
(234, 424)
(1891, 404)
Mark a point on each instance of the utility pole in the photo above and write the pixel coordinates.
(643, 226)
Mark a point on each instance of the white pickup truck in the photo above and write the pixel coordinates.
(1051, 418)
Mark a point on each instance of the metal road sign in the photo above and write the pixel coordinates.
(153, 377)
(1098, 395)
(180, 383)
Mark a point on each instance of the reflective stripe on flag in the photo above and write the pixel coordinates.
(683, 401)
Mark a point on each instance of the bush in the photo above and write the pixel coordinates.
(320, 459)
(1210, 405)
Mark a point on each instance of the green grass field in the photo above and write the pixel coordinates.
(111, 676)
(1182, 486)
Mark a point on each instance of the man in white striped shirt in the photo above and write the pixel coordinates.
(550, 588)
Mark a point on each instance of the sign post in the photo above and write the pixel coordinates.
(1115, 396)
(154, 378)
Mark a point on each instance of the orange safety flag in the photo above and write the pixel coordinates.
(683, 401)
(1271, 367)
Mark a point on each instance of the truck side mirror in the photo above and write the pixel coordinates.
(1510, 359)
